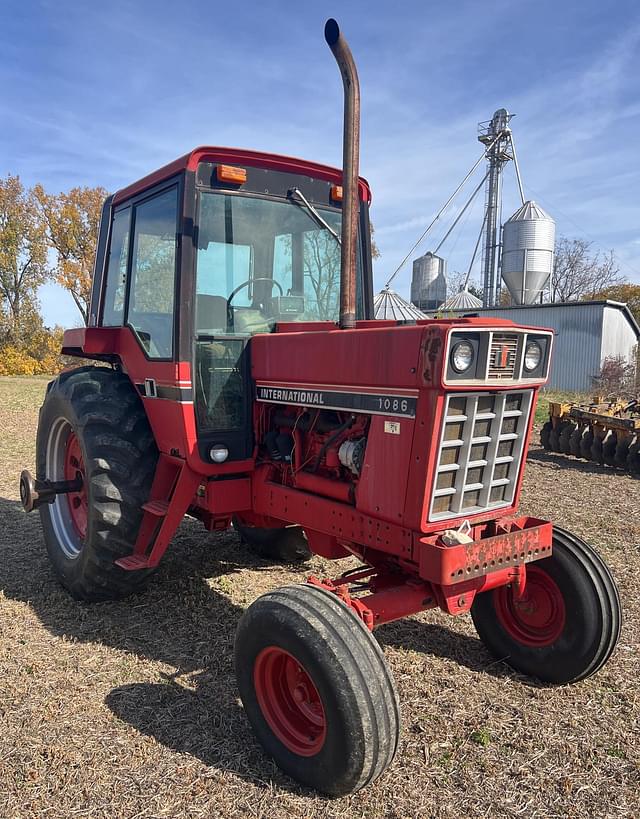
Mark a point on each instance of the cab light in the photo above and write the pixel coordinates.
(336, 193)
(229, 173)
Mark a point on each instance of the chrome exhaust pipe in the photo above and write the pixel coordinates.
(350, 171)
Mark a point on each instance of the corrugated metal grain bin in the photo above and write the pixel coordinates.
(587, 332)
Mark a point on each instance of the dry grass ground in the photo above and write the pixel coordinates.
(129, 709)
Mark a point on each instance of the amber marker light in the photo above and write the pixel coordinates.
(336, 193)
(228, 173)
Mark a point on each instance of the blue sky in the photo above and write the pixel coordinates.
(102, 93)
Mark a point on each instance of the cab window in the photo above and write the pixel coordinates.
(116, 286)
(151, 310)
(261, 261)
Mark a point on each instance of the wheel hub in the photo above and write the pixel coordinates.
(289, 701)
(74, 469)
(538, 618)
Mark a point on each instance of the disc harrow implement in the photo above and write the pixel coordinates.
(605, 432)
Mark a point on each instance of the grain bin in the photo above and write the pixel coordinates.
(428, 283)
(527, 252)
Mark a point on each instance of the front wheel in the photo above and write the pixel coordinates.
(566, 625)
(316, 689)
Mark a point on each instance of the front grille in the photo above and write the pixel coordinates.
(503, 354)
(480, 453)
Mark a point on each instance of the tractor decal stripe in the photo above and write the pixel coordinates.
(169, 393)
(364, 402)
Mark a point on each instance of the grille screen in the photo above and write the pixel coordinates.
(502, 356)
(480, 452)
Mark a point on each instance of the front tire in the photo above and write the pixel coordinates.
(92, 423)
(566, 626)
(316, 689)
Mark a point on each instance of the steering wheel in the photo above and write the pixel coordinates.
(251, 281)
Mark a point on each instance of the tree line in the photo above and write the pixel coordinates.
(52, 237)
(43, 236)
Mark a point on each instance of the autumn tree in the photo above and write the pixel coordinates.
(578, 272)
(72, 220)
(627, 293)
(23, 257)
(375, 253)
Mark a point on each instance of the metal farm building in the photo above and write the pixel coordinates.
(586, 333)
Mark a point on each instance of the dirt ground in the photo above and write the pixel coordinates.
(130, 709)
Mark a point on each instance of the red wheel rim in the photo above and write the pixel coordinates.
(537, 619)
(74, 468)
(289, 701)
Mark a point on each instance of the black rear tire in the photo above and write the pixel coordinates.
(301, 644)
(566, 627)
(99, 410)
(282, 545)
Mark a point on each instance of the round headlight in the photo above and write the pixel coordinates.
(462, 356)
(532, 356)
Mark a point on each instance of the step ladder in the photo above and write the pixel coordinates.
(172, 491)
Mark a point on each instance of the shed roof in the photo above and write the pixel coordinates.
(616, 305)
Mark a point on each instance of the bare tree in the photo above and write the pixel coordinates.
(617, 377)
(579, 273)
(456, 282)
(321, 265)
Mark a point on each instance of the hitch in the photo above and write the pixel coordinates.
(34, 492)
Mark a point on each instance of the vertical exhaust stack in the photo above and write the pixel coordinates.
(350, 171)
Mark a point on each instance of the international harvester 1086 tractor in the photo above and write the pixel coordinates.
(246, 384)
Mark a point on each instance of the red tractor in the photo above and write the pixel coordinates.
(241, 380)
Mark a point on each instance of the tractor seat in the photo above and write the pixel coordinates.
(211, 312)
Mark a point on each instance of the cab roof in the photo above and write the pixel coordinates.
(239, 156)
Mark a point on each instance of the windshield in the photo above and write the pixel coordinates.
(261, 261)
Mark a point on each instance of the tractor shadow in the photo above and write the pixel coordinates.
(185, 621)
(182, 621)
(439, 641)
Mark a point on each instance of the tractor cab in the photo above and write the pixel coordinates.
(198, 257)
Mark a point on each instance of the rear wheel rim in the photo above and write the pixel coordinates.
(289, 701)
(67, 513)
(536, 619)
(73, 469)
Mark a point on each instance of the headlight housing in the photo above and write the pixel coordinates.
(462, 356)
(532, 356)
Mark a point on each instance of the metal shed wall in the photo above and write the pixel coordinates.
(586, 333)
(618, 335)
